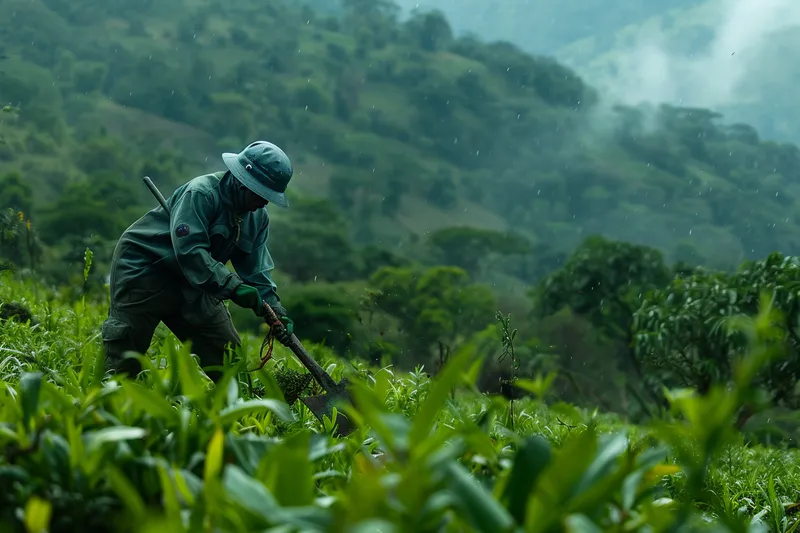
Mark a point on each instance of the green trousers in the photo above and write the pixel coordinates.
(140, 303)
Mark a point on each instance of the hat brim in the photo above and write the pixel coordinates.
(236, 168)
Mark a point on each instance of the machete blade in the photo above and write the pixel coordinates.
(322, 405)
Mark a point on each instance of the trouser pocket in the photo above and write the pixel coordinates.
(122, 334)
(115, 330)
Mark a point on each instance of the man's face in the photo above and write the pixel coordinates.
(253, 201)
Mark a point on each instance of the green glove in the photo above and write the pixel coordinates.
(288, 323)
(284, 334)
(247, 296)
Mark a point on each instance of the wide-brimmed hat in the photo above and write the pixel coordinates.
(263, 168)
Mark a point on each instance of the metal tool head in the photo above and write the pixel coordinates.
(322, 405)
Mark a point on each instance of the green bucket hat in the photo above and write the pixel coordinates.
(263, 168)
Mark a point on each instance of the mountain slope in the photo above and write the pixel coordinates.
(405, 128)
(733, 56)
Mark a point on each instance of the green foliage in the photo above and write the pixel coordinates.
(411, 132)
(15, 193)
(19, 243)
(682, 331)
(434, 305)
(170, 453)
(311, 242)
(325, 313)
(385, 115)
(466, 247)
(604, 281)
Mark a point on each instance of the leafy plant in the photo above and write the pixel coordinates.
(171, 452)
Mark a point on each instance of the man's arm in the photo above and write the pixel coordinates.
(189, 223)
(255, 268)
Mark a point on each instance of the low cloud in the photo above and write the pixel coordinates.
(720, 74)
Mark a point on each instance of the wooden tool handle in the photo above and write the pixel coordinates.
(153, 189)
(322, 377)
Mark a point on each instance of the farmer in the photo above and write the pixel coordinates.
(171, 267)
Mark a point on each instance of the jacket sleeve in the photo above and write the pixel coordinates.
(255, 268)
(191, 243)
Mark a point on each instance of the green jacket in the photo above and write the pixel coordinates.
(203, 233)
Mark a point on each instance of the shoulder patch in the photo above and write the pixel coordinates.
(182, 230)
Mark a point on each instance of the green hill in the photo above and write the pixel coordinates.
(546, 26)
(733, 56)
(405, 128)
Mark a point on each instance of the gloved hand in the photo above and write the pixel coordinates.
(284, 334)
(248, 297)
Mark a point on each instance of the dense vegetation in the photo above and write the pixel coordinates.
(459, 209)
(429, 152)
(167, 454)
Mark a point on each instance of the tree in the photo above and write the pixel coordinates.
(682, 335)
(97, 206)
(322, 313)
(431, 30)
(312, 243)
(15, 193)
(433, 305)
(466, 247)
(604, 281)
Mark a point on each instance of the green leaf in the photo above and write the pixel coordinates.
(250, 407)
(537, 387)
(150, 401)
(578, 523)
(213, 465)
(443, 384)
(169, 493)
(374, 525)
(37, 515)
(532, 458)
(126, 491)
(97, 438)
(475, 504)
(248, 450)
(611, 447)
(558, 480)
(189, 374)
(249, 493)
(30, 385)
(226, 390)
(287, 471)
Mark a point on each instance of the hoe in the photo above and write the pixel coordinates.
(321, 405)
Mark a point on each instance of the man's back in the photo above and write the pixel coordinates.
(148, 242)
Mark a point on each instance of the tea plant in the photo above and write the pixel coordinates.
(169, 452)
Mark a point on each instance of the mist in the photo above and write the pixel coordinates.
(651, 71)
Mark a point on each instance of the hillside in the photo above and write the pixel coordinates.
(733, 56)
(546, 26)
(406, 129)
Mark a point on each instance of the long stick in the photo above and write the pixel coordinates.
(156, 193)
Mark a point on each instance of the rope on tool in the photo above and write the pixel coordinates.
(268, 344)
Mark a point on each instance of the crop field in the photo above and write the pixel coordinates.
(86, 452)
